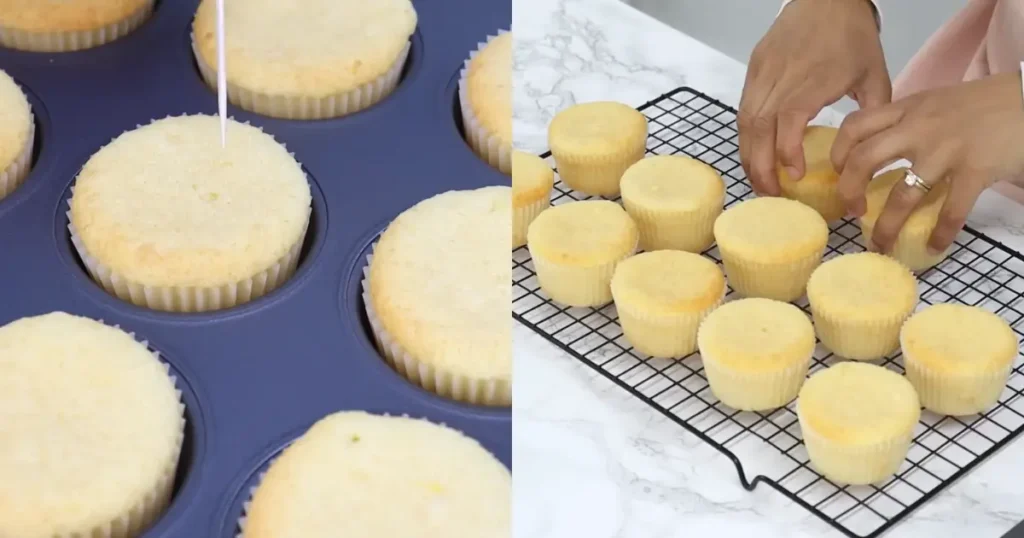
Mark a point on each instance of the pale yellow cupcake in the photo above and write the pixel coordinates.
(63, 26)
(485, 96)
(770, 246)
(532, 181)
(674, 200)
(857, 421)
(911, 246)
(17, 135)
(575, 248)
(859, 302)
(594, 143)
(756, 352)
(958, 357)
(663, 296)
(819, 187)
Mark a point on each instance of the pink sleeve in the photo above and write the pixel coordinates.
(878, 11)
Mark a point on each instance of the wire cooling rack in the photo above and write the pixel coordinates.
(979, 271)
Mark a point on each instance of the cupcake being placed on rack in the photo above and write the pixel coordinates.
(819, 186)
(357, 474)
(306, 60)
(532, 181)
(438, 295)
(17, 135)
(857, 421)
(911, 246)
(756, 352)
(485, 96)
(92, 430)
(859, 302)
(594, 143)
(770, 246)
(61, 26)
(575, 248)
(165, 218)
(674, 200)
(958, 357)
(662, 297)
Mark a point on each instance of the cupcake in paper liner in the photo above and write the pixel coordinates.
(857, 421)
(770, 246)
(329, 59)
(575, 248)
(442, 320)
(662, 297)
(485, 98)
(595, 143)
(165, 218)
(47, 26)
(958, 357)
(122, 416)
(819, 186)
(445, 483)
(17, 135)
(756, 352)
(674, 200)
(859, 302)
(532, 181)
(911, 248)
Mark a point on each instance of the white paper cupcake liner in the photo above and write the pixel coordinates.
(855, 464)
(74, 40)
(189, 299)
(299, 107)
(486, 144)
(575, 285)
(753, 390)
(955, 394)
(16, 172)
(492, 392)
(523, 216)
(782, 281)
(662, 335)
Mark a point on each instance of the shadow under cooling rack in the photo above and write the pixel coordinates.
(978, 272)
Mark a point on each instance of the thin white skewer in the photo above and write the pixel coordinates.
(222, 86)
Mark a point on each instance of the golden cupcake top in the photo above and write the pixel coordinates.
(583, 233)
(490, 87)
(857, 403)
(399, 476)
(817, 146)
(597, 128)
(863, 285)
(449, 310)
(92, 425)
(771, 229)
(532, 178)
(757, 335)
(924, 215)
(668, 281)
(44, 16)
(312, 48)
(15, 120)
(165, 205)
(672, 182)
(956, 338)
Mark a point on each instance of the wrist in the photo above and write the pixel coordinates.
(872, 6)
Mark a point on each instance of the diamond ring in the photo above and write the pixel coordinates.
(915, 181)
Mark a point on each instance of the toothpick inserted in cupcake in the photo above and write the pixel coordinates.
(222, 87)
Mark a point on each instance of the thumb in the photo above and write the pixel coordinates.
(874, 90)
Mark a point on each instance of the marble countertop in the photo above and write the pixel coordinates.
(594, 461)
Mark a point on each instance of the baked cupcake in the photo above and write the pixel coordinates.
(314, 60)
(594, 143)
(356, 474)
(485, 96)
(770, 246)
(17, 135)
(55, 26)
(819, 186)
(859, 302)
(165, 218)
(756, 352)
(532, 181)
(674, 200)
(857, 421)
(662, 297)
(453, 336)
(958, 357)
(92, 431)
(575, 248)
(911, 246)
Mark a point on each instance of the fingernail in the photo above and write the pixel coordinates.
(793, 173)
(932, 251)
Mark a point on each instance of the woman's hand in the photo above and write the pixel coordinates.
(971, 134)
(816, 52)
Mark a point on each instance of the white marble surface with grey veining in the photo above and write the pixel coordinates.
(593, 461)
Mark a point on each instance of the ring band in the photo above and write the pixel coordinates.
(915, 181)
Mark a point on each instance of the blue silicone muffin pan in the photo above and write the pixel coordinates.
(256, 376)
